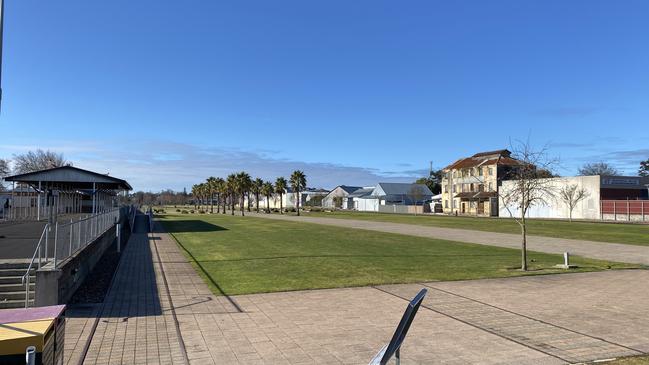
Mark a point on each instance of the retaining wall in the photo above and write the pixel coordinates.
(56, 286)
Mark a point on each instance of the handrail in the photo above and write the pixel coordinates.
(31, 263)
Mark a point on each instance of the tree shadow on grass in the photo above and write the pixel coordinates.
(191, 225)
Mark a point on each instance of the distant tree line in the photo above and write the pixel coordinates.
(237, 188)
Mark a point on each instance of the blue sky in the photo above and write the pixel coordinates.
(353, 92)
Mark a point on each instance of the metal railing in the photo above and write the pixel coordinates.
(68, 239)
(75, 235)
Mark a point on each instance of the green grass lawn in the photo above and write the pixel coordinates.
(240, 255)
(634, 234)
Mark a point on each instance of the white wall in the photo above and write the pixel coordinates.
(556, 208)
(366, 205)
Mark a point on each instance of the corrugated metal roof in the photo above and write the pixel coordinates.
(362, 192)
(349, 189)
(403, 188)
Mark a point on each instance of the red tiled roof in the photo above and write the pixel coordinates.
(500, 157)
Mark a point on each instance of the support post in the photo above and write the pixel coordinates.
(38, 207)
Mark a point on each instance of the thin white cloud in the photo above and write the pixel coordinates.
(156, 165)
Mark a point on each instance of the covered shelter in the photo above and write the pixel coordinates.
(47, 193)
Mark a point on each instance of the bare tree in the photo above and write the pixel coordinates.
(417, 194)
(572, 195)
(598, 168)
(38, 160)
(529, 187)
(5, 170)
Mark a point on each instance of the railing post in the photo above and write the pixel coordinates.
(56, 237)
(47, 239)
(70, 229)
(79, 235)
(119, 242)
(27, 292)
(30, 355)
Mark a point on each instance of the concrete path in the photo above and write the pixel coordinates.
(597, 250)
(160, 309)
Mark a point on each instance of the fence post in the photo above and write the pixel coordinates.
(614, 211)
(628, 211)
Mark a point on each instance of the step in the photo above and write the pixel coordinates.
(16, 279)
(7, 304)
(14, 265)
(18, 295)
(15, 287)
(14, 272)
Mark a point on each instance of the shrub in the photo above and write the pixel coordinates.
(201, 212)
(184, 211)
(177, 210)
(192, 211)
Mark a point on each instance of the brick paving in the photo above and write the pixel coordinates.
(530, 320)
(597, 250)
(136, 324)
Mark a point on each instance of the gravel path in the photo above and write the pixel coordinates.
(596, 250)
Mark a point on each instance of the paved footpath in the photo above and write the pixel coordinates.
(159, 310)
(597, 250)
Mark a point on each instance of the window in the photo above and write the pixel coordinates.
(480, 187)
(445, 203)
(480, 171)
(454, 189)
(491, 188)
(491, 171)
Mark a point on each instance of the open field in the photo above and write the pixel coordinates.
(241, 255)
(633, 234)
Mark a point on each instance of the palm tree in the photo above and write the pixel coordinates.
(267, 190)
(194, 195)
(243, 186)
(232, 186)
(223, 193)
(217, 187)
(298, 183)
(256, 189)
(211, 187)
(280, 188)
(204, 195)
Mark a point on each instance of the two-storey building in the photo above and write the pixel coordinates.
(470, 185)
